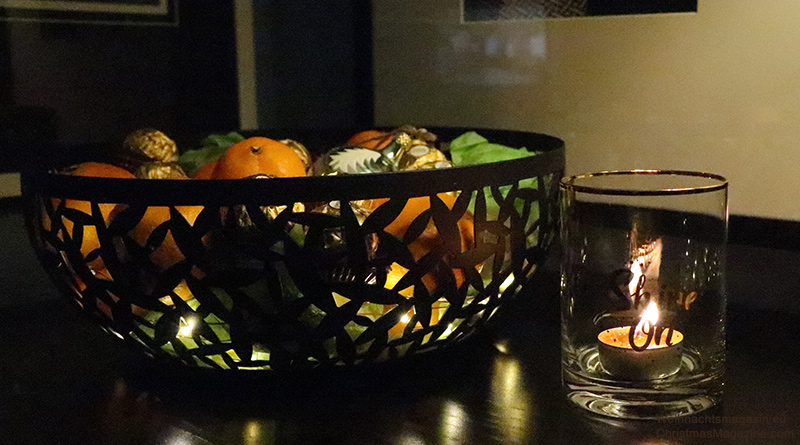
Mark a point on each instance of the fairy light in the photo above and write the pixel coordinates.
(186, 327)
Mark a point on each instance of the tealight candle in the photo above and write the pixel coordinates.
(643, 352)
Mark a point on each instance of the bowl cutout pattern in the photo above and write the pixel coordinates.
(295, 284)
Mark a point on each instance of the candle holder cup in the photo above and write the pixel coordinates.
(643, 297)
(289, 274)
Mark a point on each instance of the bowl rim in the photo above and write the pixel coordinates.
(276, 191)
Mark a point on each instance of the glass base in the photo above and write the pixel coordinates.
(686, 392)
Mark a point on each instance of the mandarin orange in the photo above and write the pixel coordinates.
(97, 170)
(168, 253)
(90, 241)
(372, 139)
(258, 156)
(206, 171)
(429, 240)
(415, 206)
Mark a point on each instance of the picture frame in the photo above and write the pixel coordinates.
(108, 12)
(494, 10)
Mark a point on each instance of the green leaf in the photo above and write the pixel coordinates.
(193, 160)
(223, 140)
(471, 148)
(467, 140)
(213, 147)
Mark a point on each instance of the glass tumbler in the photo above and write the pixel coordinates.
(643, 291)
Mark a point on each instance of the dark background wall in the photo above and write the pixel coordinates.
(314, 63)
(75, 83)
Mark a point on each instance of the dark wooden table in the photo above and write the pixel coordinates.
(63, 380)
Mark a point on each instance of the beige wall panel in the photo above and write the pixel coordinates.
(717, 90)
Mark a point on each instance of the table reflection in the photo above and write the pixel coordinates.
(483, 401)
(496, 400)
(510, 403)
(454, 424)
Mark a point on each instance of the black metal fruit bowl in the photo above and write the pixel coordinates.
(247, 275)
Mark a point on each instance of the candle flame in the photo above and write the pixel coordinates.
(649, 318)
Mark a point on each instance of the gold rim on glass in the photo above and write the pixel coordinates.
(568, 183)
